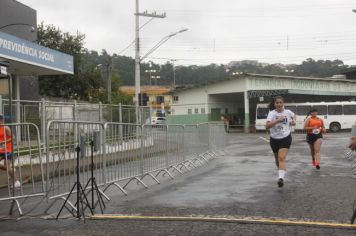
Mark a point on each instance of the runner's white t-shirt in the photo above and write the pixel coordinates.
(283, 129)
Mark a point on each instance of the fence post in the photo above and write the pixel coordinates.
(120, 113)
(120, 121)
(103, 146)
(141, 148)
(43, 121)
(100, 112)
(74, 115)
(74, 110)
(184, 146)
(167, 153)
(209, 137)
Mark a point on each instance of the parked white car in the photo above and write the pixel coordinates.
(158, 120)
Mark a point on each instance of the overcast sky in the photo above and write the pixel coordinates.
(273, 31)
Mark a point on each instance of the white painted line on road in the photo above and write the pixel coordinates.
(243, 220)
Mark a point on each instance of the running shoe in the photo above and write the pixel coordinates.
(280, 183)
(317, 166)
(314, 163)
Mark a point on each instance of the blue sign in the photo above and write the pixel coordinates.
(20, 50)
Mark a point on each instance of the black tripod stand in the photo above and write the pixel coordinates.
(353, 217)
(81, 197)
(94, 186)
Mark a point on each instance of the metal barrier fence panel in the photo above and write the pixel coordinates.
(119, 151)
(23, 174)
(155, 156)
(123, 156)
(41, 112)
(63, 137)
(351, 155)
(191, 141)
(175, 144)
(203, 137)
(217, 137)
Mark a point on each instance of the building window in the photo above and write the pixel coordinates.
(189, 111)
(196, 111)
(160, 99)
(202, 111)
(226, 111)
(175, 98)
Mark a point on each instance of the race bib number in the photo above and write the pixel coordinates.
(316, 131)
(280, 127)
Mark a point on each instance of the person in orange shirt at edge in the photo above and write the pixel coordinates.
(6, 154)
(314, 126)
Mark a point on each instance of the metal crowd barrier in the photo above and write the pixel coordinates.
(351, 155)
(26, 165)
(124, 145)
(63, 137)
(121, 153)
(217, 137)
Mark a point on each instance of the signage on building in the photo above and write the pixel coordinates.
(3, 71)
(301, 84)
(14, 48)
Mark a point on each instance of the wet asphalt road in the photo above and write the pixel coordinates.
(242, 183)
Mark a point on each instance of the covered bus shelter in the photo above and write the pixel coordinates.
(239, 96)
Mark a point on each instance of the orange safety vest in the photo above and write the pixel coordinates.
(315, 122)
(4, 135)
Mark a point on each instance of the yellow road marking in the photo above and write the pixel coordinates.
(225, 220)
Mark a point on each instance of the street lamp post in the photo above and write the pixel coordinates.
(161, 42)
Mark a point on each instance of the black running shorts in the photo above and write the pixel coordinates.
(277, 144)
(311, 138)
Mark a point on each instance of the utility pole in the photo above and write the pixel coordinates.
(137, 47)
(137, 54)
(174, 72)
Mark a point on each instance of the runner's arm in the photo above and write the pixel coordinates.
(306, 127)
(323, 130)
(8, 132)
(352, 145)
(294, 119)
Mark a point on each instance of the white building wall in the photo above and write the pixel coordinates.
(192, 99)
(229, 86)
(198, 98)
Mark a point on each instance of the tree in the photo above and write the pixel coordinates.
(66, 86)
(89, 80)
